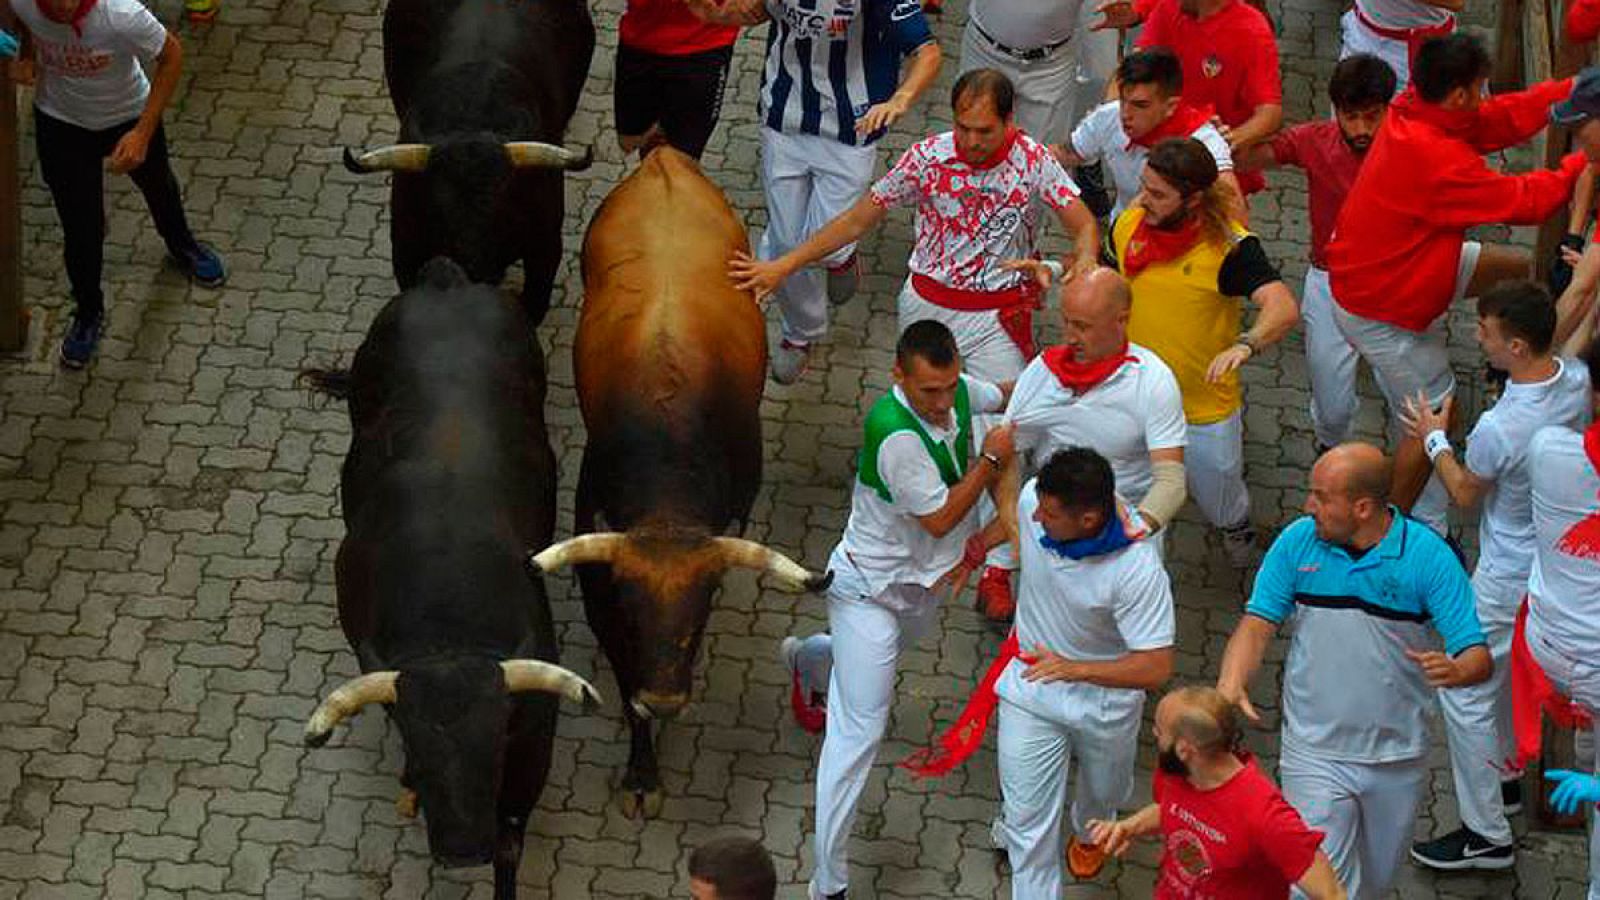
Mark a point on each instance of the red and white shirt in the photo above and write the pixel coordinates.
(970, 219)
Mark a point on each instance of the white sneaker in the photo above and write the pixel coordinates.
(789, 362)
(1239, 542)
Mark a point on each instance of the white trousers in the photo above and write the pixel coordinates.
(1045, 88)
(1358, 38)
(1367, 813)
(1214, 464)
(866, 636)
(1477, 718)
(1036, 755)
(1331, 361)
(808, 181)
(987, 352)
(1578, 679)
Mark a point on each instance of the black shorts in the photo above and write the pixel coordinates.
(682, 94)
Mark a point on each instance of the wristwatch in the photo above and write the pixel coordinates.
(992, 460)
(1245, 339)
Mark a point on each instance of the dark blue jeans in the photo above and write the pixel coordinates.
(73, 160)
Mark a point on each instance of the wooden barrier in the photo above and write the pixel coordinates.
(13, 315)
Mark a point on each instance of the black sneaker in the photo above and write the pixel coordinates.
(83, 336)
(1511, 796)
(1463, 849)
(204, 266)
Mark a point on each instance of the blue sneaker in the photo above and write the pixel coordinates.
(204, 266)
(83, 336)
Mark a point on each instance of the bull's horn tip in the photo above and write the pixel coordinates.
(584, 161)
(352, 164)
(816, 584)
(591, 698)
(316, 739)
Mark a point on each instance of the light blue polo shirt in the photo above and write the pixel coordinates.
(1349, 691)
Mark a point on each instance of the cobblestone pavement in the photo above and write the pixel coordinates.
(168, 522)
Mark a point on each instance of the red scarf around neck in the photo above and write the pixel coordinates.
(1149, 245)
(1583, 539)
(1080, 377)
(1184, 121)
(997, 157)
(75, 19)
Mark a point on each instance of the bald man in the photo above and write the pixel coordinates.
(1211, 797)
(1372, 593)
(1094, 390)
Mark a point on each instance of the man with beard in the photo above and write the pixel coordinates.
(1371, 593)
(1330, 153)
(1188, 261)
(1226, 829)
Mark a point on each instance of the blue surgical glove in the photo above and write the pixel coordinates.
(8, 44)
(1572, 789)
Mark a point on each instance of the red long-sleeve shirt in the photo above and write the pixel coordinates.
(1397, 244)
(1583, 21)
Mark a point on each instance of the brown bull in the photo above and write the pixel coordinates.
(670, 361)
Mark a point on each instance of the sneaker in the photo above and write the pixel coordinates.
(1511, 796)
(995, 599)
(82, 338)
(789, 363)
(844, 280)
(1463, 849)
(1084, 861)
(810, 712)
(204, 266)
(1239, 542)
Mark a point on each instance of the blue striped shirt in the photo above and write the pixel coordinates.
(829, 61)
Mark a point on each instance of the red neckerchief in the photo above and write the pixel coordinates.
(964, 737)
(1079, 376)
(1184, 121)
(75, 20)
(995, 158)
(1149, 245)
(1583, 539)
(1533, 696)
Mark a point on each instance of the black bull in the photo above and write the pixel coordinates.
(483, 90)
(448, 481)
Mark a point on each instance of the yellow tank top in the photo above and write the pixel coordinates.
(1179, 313)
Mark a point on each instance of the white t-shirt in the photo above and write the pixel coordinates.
(1403, 13)
(94, 81)
(1137, 410)
(970, 220)
(883, 542)
(1497, 450)
(1026, 24)
(1095, 610)
(1565, 586)
(1100, 137)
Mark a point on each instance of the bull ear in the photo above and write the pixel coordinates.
(536, 675)
(346, 701)
(600, 547)
(789, 574)
(393, 158)
(536, 155)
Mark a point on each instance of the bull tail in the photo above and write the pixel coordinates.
(333, 382)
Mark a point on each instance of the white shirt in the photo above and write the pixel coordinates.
(1100, 137)
(1137, 410)
(1403, 13)
(1095, 610)
(94, 81)
(1565, 586)
(883, 542)
(1026, 24)
(1497, 450)
(970, 220)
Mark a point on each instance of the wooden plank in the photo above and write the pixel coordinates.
(13, 315)
(1508, 46)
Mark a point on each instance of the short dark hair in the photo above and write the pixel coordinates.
(1361, 81)
(1456, 60)
(1079, 478)
(1524, 310)
(1157, 65)
(738, 867)
(991, 83)
(1185, 163)
(928, 340)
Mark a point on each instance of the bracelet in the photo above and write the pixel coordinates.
(1055, 268)
(1435, 443)
(992, 460)
(1248, 341)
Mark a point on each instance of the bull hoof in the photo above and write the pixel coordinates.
(637, 803)
(406, 803)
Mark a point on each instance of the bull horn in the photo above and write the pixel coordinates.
(393, 158)
(535, 675)
(585, 548)
(346, 701)
(535, 155)
(790, 575)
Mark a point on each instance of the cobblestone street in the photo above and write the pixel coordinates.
(169, 518)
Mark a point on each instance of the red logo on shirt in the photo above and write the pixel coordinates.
(1211, 66)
